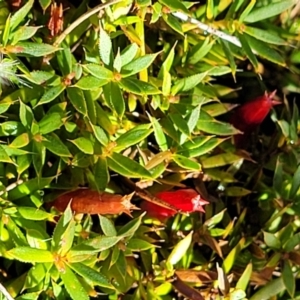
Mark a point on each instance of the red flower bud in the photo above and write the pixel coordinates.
(186, 200)
(252, 113)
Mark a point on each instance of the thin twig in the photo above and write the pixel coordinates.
(82, 18)
(5, 293)
(224, 36)
(144, 194)
(11, 186)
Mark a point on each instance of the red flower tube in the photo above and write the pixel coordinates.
(252, 113)
(186, 200)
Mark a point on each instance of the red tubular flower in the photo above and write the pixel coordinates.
(186, 200)
(252, 113)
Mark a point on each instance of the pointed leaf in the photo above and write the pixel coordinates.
(268, 11)
(77, 99)
(73, 285)
(187, 83)
(91, 83)
(105, 47)
(126, 166)
(91, 275)
(99, 71)
(84, 145)
(138, 64)
(180, 249)
(30, 255)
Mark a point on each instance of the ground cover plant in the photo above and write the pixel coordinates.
(149, 149)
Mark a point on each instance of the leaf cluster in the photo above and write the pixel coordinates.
(143, 90)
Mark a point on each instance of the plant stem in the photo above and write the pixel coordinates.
(82, 18)
(5, 293)
(224, 36)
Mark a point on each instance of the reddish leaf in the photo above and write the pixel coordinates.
(186, 200)
(251, 114)
(92, 202)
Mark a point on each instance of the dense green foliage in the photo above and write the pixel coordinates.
(134, 91)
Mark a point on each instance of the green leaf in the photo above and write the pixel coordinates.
(84, 145)
(245, 278)
(118, 62)
(31, 213)
(101, 173)
(133, 136)
(20, 14)
(193, 118)
(187, 83)
(215, 219)
(217, 109)
(39, 77)
(50, 123)
(99, 71)
(220, 160)
(91, 83)
(31, 49)
(271, 289)
(159, 134)
(114, 98)
(100, 135)
(247, 10)
(246, 47)
(128, 54)
(231, 258)
(107, 226)
(288, 278)
(4, 156)
(30, 255)
(138, 87)
(200, 50)
(180, 123)
(269, 11)
(265, 51)
(45, 4)
(60, 229)
(174, 5)
(26, 115)
(29, 187)
(167, 64)
(138, 64)
(264, 35)
(208, 124)
(77, 99)
(51, 94)
(5, 104)
(95, 245)
(126, 166)
(91, 275)
(11, 128)
(20, 141)
(24, 33)
(236, 191)
(295, 183)
(53, 143)
(38, 157)
(186, 163)
(64, 59)
(131, 227)
(105, 47)
(229, 56)
(139, 245)
(292, 242)
(180, 249)
(271, 240)
(73, 285)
